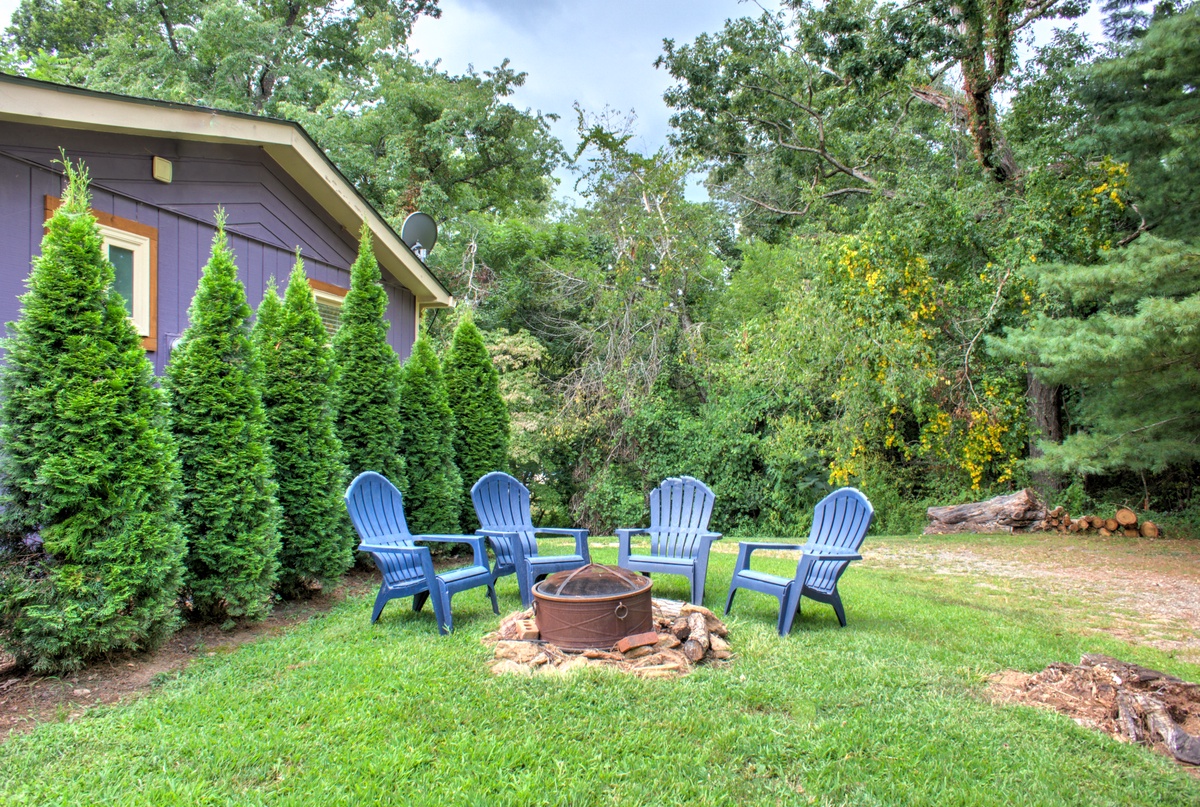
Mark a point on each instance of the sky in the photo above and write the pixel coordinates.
(591, 52)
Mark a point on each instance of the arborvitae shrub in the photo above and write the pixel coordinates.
(310, 469)
(228, 503)
(480, 416)
(367, 393)
(93, 551)
(432, 501)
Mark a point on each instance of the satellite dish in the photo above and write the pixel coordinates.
(420, 233)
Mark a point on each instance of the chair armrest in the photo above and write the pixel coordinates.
(747, 548)
(392, 549)
(475, 541)
(623, 535)
(580, 536)
(574, 533)
(834, 556)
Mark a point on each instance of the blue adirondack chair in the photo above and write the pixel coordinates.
(840, 523)
(502, 506)
(680, 508)
(377, 510)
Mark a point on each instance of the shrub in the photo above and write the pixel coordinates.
(298, 376)
(432, 500)
(228, 505)
(480, 416)
(367, 393)
(94, 551)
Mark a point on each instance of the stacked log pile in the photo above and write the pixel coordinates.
(1123, 522)
(684, 637)
(1024, 512)
(1126, 701)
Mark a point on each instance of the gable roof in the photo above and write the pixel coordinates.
(24, 100)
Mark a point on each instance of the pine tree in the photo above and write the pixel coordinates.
(310, 470)
(367, 394)
(1130, 354)
(431, 502)
(480, 415)
(88, 472)
(228, 504)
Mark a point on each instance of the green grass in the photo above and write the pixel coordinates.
(887, 711)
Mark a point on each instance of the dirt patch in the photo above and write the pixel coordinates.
(1126, 701)
(27, 700)
(1140, 590)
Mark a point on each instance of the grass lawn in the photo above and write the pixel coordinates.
(890, 710)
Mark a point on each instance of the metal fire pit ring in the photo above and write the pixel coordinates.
(607, 605)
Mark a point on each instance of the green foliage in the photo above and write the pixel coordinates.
(94, 553)
(227, 506)
(1147, 114)
(310, 468)
(480, 416)
(433, 500)
(1129, 345)
(367, 393)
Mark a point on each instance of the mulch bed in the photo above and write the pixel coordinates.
(1131, 703)
(27, 699)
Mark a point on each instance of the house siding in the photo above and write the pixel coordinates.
(268, 216)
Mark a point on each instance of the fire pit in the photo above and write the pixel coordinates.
(593, 606)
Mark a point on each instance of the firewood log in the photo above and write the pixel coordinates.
(1105, 532)
(1126, 517)
(1149, 529)
(1017, 512)
(1110, 524)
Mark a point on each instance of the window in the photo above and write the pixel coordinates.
(329, 303)
(132, 248)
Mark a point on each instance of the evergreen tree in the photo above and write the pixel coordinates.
(1131, 352)
(298, 377)
(480, 416)
(432, 501)
(228, 504)
(367, 394)
(88, 472)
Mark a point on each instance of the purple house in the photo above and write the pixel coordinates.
(159, 171)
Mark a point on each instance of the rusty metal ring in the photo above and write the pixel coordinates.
(621, 611)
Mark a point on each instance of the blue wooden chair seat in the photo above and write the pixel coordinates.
(377, 510)
(502, 506)
(840, 523)
(680, 508)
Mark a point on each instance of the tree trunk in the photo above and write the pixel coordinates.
(1017, 512)
(1045, 413)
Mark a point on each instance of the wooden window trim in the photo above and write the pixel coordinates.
(328, 288)
(150, 341)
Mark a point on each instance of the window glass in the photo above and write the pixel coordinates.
(122, 261)
(331, 314)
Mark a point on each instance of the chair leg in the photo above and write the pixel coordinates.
(419, 600)
(729, 600)
(380, 600)
(789, 607)
(838, 609)
(492, 593)
(441, 609)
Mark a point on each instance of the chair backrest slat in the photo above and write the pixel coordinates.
(376, 509)
(502, 503)
(841, 521)
(680, 508)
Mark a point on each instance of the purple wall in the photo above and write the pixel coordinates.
(269, 215)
